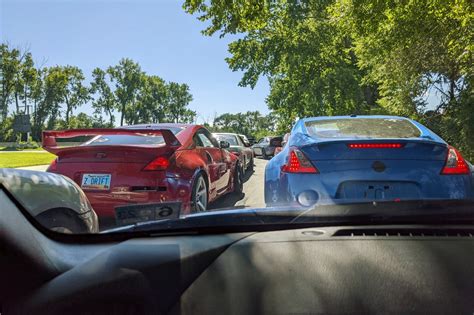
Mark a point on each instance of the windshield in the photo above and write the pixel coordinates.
(118, 114)
(229, 138)
(137, 139)
(374, 128)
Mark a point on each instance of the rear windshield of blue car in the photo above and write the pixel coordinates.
(368, 128)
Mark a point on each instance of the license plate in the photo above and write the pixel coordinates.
(96, 181)
(131, 214)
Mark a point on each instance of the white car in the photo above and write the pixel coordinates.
(54, 200)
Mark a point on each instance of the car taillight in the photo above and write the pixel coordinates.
(375, 145)
(455, 163)
(298, 163)
(53, 166)
(159, 164)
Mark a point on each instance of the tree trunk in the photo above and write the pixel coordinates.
(111, 118)
(16, 102)
(452, 86)
(68, 110)
(122, 114)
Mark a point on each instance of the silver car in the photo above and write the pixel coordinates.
(54, 200)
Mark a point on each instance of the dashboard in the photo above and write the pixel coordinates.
(331, 270)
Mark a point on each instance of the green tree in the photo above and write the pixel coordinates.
(54, 91)
(76, 93)
(250, 123)
(177, 101)
(151, 100)
(103, 97)
(10, 67)
(329, 57)
(127, 78)
(307, 60)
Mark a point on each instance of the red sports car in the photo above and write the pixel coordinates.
(147, 164)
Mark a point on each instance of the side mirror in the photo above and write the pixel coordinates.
(224, 144)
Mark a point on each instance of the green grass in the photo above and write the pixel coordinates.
(21, 159)
(19, 150)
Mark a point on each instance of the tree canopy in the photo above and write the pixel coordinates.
(51, 95)
(329, 57)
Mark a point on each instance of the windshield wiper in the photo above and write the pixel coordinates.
(385, 212)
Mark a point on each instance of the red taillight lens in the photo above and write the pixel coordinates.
(53, 166)
(455, 163)
(159, 164)
(375, 145)
(298, 163)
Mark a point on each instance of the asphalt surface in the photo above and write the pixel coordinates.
(253, 190)
(252, 195)
(35, 168)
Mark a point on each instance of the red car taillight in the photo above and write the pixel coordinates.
(161, 163)
(455, 163)
(298, 163)
(53, 166)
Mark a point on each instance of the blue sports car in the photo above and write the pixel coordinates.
(365, 158)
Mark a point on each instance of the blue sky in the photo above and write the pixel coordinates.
(158, 35)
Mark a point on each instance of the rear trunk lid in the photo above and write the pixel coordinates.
(406, 149)
(379, 170)
(113, 160)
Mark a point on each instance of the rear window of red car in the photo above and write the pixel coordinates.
(130, 139)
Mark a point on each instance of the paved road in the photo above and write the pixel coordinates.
(35, 168)
(253, 188)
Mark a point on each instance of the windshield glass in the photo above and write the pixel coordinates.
(364, 127)
(137, 139)
(229, 138)
(122, 114)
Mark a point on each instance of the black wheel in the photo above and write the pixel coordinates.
(264, 154)
(199, 195)
(251, 164)
(62, 221)
(238, 179)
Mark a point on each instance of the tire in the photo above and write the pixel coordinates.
(264, 154)
(62, 221)
(251, 165)
(238, 179)
(199, 197)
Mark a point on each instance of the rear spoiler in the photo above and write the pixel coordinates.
(49, 136)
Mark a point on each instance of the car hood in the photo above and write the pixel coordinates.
(40, 191)
(435, 211)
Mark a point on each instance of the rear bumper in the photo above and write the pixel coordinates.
(328, 188)
(104, 203)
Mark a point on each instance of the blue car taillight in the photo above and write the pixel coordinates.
(455, 163)
(298, 163)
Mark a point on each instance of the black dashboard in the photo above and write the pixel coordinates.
(331, 270)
